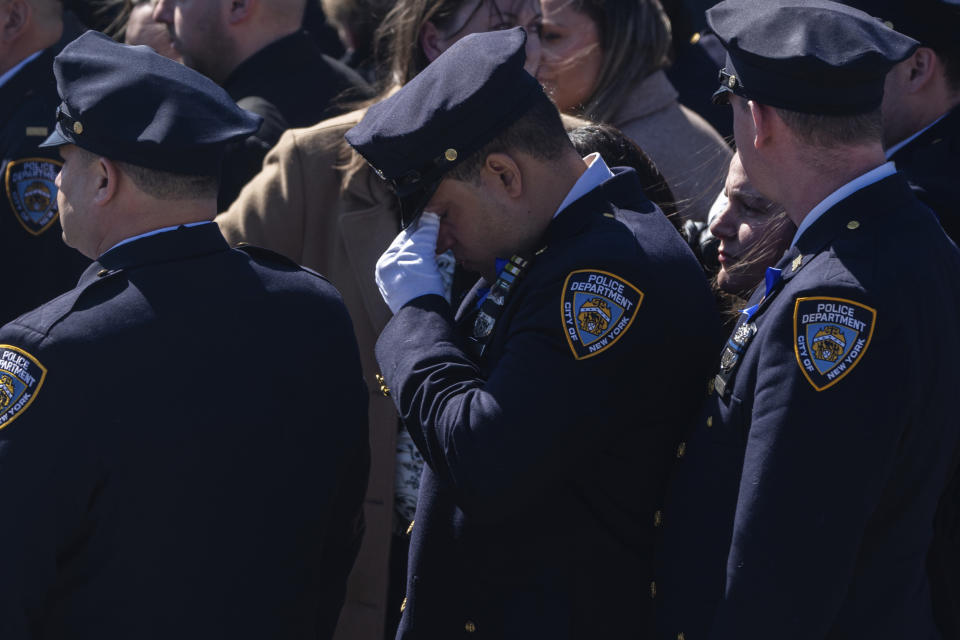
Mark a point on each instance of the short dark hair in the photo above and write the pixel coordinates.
(830, 131)
(618, 150)
(164, 185)
(539, 133)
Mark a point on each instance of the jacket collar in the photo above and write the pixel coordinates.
(850, 215)
(623, 191)
(651, 94)
(248, 78)
(169, 246)
(947, 126)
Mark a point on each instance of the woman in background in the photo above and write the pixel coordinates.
(753, 233)
(604, 60)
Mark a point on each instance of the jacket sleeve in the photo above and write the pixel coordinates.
(500, 440)
(815, 466)
(48, 478)
(270, 212)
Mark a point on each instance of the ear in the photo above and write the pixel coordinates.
(107, 175)
(241, 10)
(14, 19)
(431, 41)
(762, 117)
(922, 68)
(505, 172)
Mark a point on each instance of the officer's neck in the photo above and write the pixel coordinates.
(815, 173)
(152, 214)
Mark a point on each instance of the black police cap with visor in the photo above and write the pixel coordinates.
(930, 22)
(810, 56)
(459, 103)
(129, 103)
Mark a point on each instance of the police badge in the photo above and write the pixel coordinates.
(597, 308)
(21, 377)
(32, 192)
(830, 337)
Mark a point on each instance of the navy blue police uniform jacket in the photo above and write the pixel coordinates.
(803, 506)
(41, 266)
(183, 449)
(546, 456)
(931, 162)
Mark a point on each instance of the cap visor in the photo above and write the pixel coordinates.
(411, 206)
(721, 96)
(55, 139)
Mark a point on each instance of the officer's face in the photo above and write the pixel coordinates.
(478, 16)
(476, 223)
(198, 33)
(77, 185)
(572, 54)
(753, 233)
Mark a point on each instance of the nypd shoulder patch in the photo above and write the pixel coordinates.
(32, 192)
(830, 336)
(597, 308)
(21, 376)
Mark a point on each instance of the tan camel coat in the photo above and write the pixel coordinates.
(690, 154)
(295, 207)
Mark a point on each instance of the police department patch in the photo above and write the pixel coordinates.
(21, 377)
(32, 192)
(830, 336)
(597, 308)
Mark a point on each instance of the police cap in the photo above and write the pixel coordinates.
(133, 105)
(930, 22)
(451, 109)
(811, 56)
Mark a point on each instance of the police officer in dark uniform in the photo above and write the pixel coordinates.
(183, 435)
(39, 265)
(921, 106)
(922, 102)
(804, 505)
(547, 407)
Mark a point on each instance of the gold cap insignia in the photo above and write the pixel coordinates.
(77, 128)
(450, 155)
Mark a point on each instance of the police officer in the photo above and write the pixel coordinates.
(183, 435)
(921, 102)
(546, 408)
(39, 265)
(804, 505)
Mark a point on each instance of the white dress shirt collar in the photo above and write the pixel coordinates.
(597, 172)
(874, 175)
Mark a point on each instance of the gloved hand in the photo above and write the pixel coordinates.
(408, 268)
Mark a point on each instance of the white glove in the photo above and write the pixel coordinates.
(408, 268)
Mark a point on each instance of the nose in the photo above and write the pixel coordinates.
(725, 224)
(163, 11)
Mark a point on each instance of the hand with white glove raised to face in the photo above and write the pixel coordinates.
(408, 268)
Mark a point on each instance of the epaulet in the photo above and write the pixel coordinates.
(269, 255)
(43, 318)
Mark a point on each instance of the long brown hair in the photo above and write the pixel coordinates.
(635, 40)
(397, 41)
